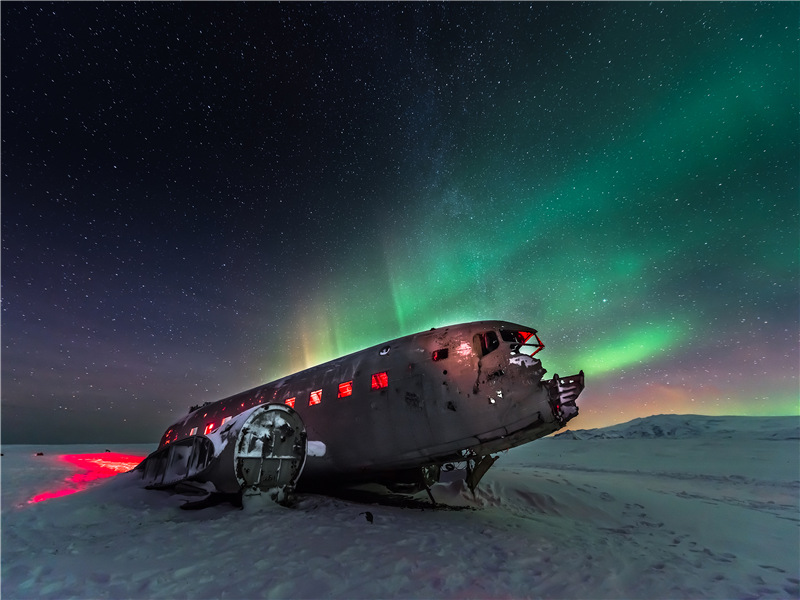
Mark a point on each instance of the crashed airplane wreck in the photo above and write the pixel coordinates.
(429, 407)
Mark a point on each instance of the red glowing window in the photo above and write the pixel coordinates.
(380, 380)
(488, 342)
(316, 397)
(289, 402)
(193, 431)
(521, 341)
(209, 428)
(345, 389)
(225, 420)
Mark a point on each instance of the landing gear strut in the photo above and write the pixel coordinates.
(476, 469)
(430, 475)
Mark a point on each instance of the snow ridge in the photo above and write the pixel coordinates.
(692, 426)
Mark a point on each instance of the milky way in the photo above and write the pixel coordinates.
(199, 198)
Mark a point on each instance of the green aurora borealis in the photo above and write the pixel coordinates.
(234, 193)
(660, 238)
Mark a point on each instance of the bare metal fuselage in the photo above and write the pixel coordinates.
(423, 400)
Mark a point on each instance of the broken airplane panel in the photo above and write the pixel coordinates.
(423, 408)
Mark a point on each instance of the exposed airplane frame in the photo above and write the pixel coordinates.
(408, 411)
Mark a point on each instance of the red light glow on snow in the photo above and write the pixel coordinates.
(93, 467)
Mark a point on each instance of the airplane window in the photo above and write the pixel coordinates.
(316, 397)
(517, 338)
(290, 402)
(380, 380)
(345, 389)
(488, 342)
(510, 336)
(209, 428)
(440, 354)
(193, 431)
(520, 341)
(225, 420)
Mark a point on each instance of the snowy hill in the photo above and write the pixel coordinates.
(692, 426)
(707, 509)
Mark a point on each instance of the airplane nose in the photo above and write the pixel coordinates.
(564, 392)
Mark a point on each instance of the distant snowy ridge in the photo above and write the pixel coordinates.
(692, 426)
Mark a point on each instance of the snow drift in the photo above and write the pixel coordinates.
(664, 507)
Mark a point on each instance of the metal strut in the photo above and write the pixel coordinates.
(430, 475)
(477, 469)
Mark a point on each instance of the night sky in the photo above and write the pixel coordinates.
(200, 198)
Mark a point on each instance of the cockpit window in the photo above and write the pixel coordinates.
(521, 341)
(488, 342)
(511, 336)
(515, 337)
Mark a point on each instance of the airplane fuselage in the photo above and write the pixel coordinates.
(426, 399)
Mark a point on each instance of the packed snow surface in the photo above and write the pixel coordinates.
(663, 507)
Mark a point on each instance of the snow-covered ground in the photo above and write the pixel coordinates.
(664, 507)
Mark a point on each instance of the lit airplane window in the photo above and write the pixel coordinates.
(380, 380)
(345, 389)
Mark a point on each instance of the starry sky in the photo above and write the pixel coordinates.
(198, 198)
